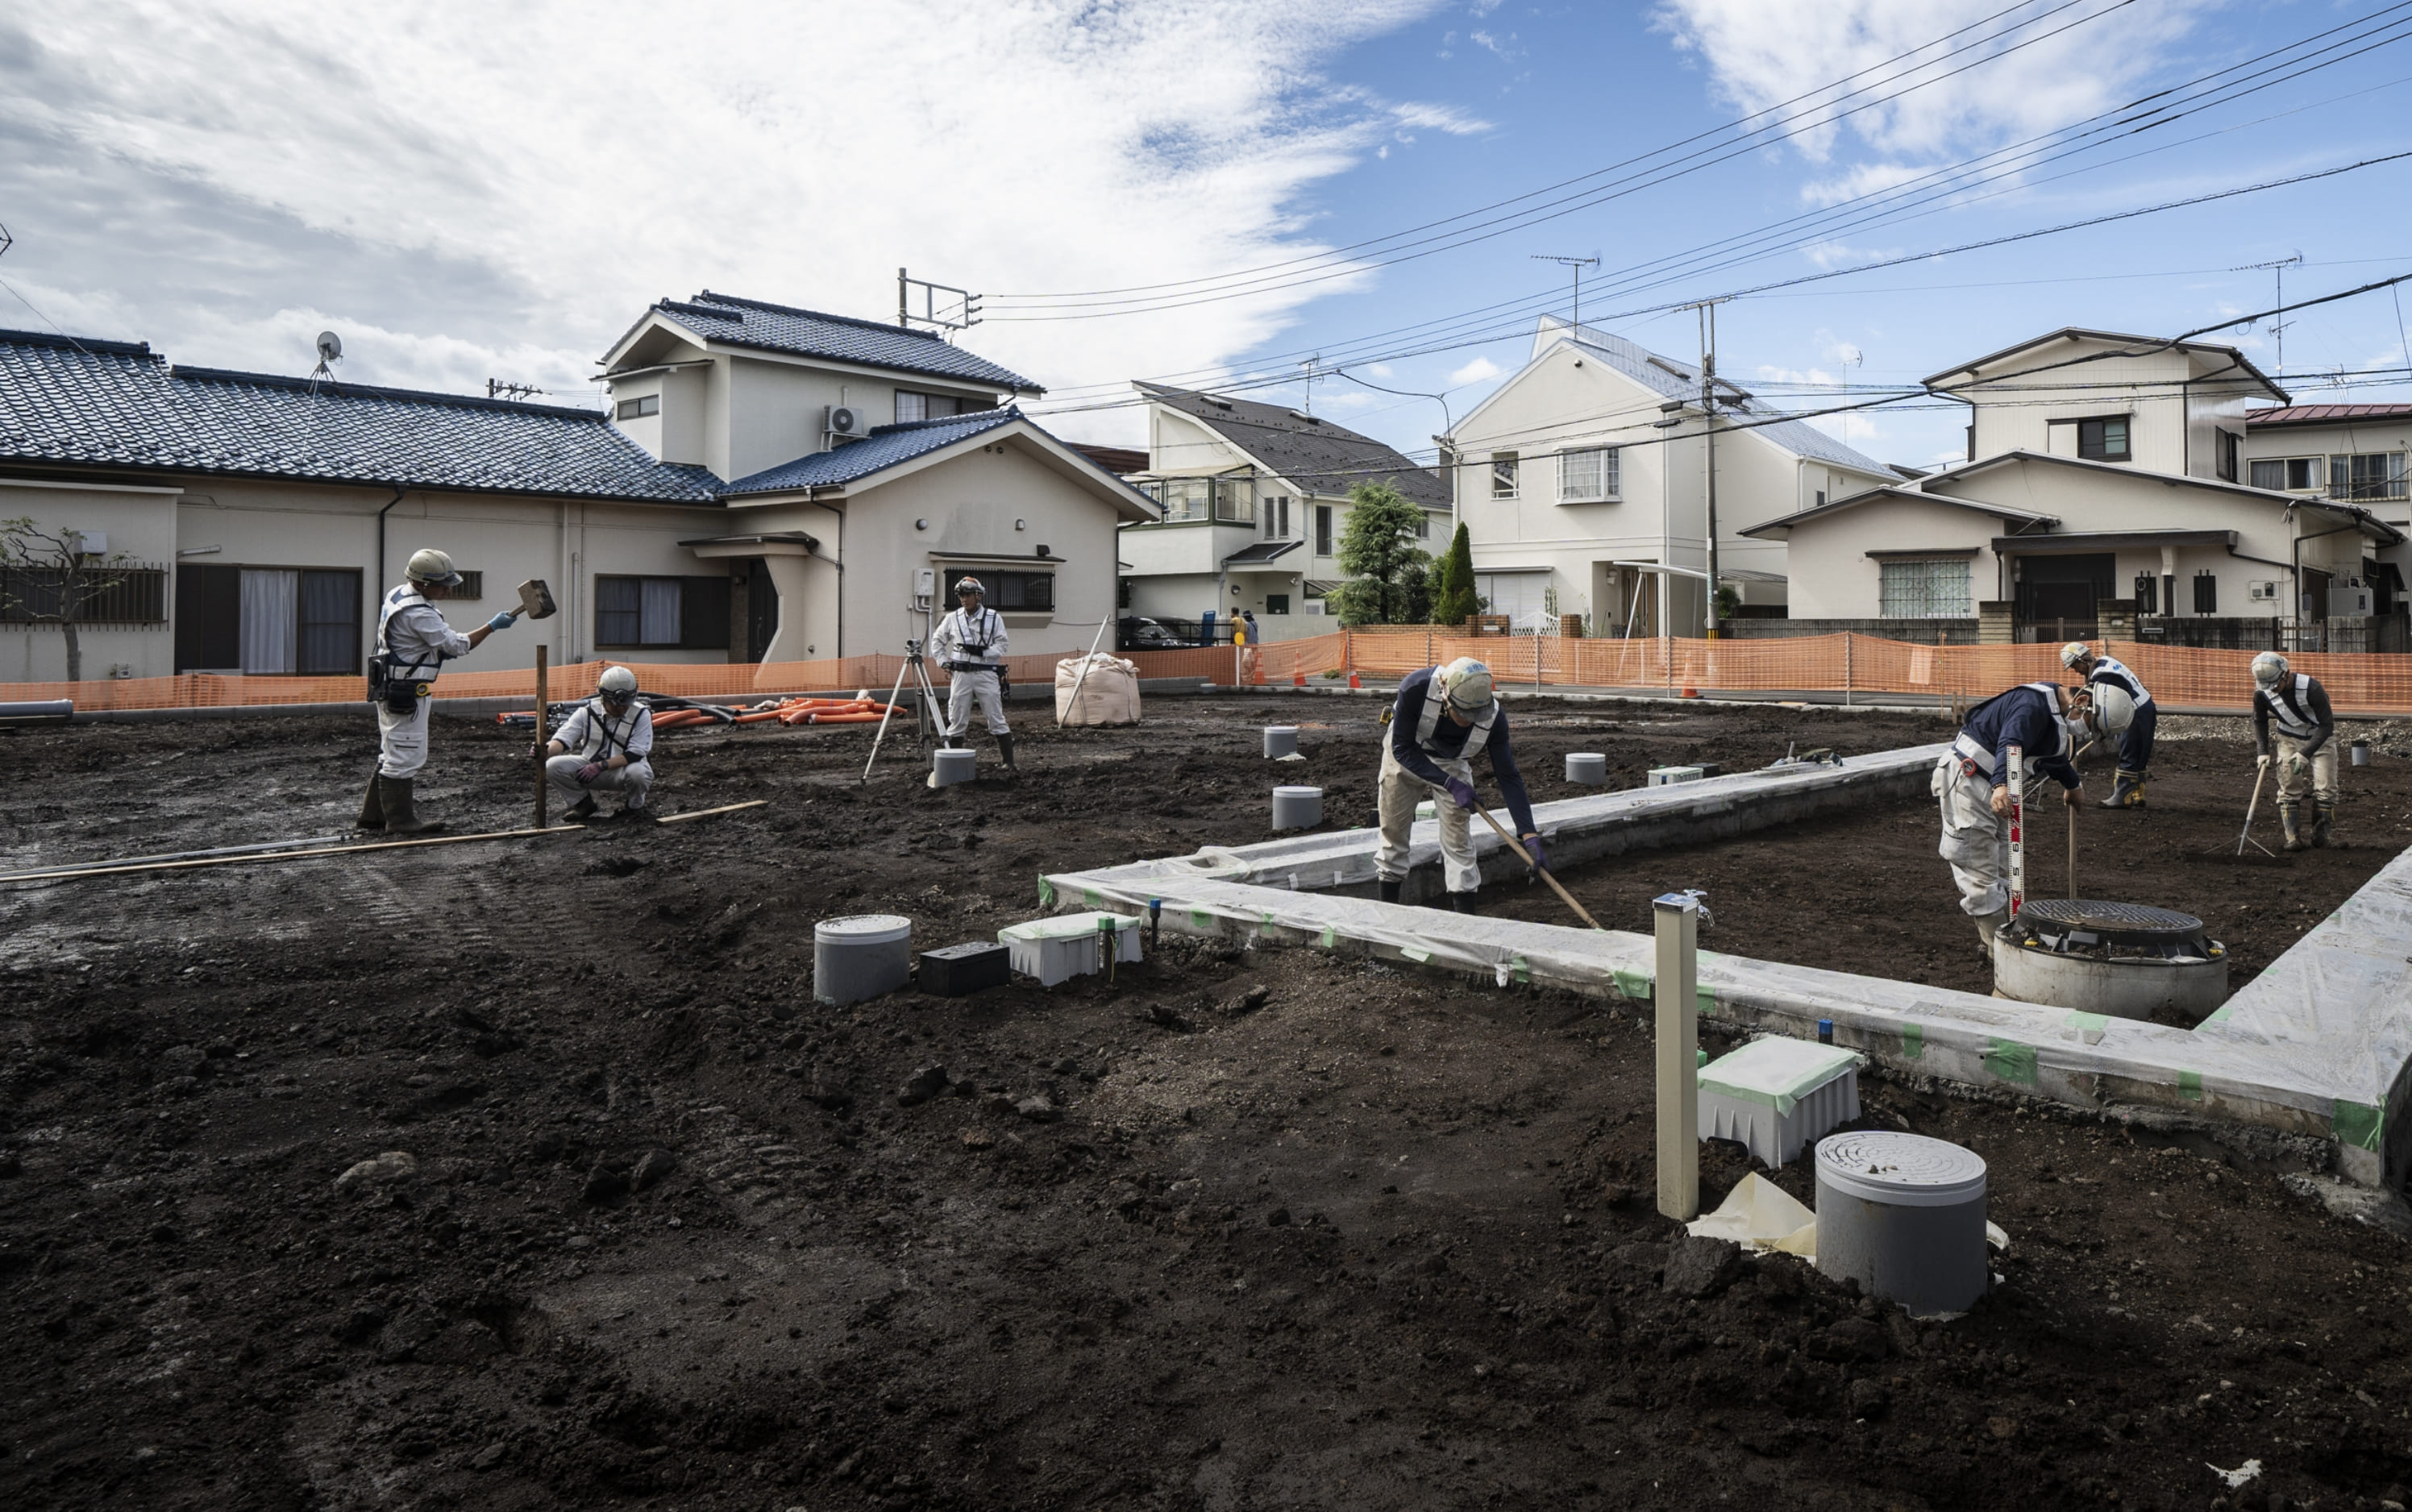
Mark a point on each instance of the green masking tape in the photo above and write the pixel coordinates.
(2356, 1125)
(1913, 1041)
(1632, 984)
(1089, 899)
(1045, 893)
(1331, 937)
(1203, 921)
(1517, 971)
(1707, 997)
(1265, 925)
(2085, 1022)
(2190, 1086)
(2219, 1014)
(2009, 1061)
(1415, 953)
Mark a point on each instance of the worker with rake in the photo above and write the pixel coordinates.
(2136, 742)
(1971, 781)
(970, 644)
(1442, 715)
(2299, 706)
(605, 747)
(414, 641)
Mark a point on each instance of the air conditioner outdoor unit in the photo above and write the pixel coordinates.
(2261, 591)
(845, 419)
(2351, 599)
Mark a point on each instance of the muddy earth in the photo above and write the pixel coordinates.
(527, 1174)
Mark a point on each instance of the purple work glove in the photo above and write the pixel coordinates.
(587, 773)
(1532, 844)
(1462, 792)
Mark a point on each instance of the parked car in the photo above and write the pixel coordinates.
(1136, 632)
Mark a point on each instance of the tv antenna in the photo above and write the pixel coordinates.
(497, 388)
(2278, 321)
(943, 306)
(1578, 264)
(331, 351)
(6, 239)
(1309, 366)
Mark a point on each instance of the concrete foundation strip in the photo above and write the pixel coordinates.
(2319, 1044)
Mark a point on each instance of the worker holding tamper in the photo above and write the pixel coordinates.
(2136, 742)
(970, 644)
(413, 644)
(1442, 716)
(1971, 781)
(2299, 706)
(604, 747)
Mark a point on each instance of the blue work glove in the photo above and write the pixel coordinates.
(1462, 792)
(502, 620)
(587, 773)
(1532, 844)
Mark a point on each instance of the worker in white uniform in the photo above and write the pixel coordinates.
(414, 642)
(1971, 783)
(1443, 716)
(970, 643)
(2306, 722)
(604, 747)
(2136, 740)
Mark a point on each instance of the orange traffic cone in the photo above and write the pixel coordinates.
(1354, 681)
(1298, 677)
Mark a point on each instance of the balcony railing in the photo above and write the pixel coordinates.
(1226, 499)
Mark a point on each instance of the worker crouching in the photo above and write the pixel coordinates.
(1442, 716)
(414, 641)
(604, 747)
(1971, 783)
(2306, 745)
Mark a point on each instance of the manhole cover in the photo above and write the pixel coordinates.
(2089, 923)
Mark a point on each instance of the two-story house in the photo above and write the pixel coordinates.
(1586, 472)
(2352, 452)
(1254, 501)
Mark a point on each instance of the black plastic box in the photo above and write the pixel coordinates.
(961, 970)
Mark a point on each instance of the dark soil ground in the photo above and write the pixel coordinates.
(657, 1232)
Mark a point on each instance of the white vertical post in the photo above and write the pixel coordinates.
(1677, 916)
(2018, 829)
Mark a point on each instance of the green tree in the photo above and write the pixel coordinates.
(1453, 600)
(47, 577)
(1390, 576)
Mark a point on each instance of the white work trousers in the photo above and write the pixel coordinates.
(402, 740)
(2298, 774)
(1976, 840)
(961, 689)
(630, 782)
(1401, 790)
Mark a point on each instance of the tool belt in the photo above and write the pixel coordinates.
(1974, 760)
(400, 696)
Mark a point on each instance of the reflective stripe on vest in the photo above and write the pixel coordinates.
(1435, 699)
(2128, 678)
(598, 723)
(402, 598)
(2292, 709)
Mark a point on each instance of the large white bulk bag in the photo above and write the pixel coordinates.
(1108, 693)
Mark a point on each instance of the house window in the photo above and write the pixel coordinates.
(1587, 476)
(2231, 446)
(1276, 513)
(1936, 590)
(2368, 475)
(1235, 500)
(2104, 439)
(2270, 473)
(661, 613)
(1423, 527)
(471, 587)
(1277, 603)
(1323, 530)
(2295, 475)
(1012, 592)
(638, 408)
(1821, 498)
(268, 621)
(1503, 474)
(1184, 498)
(913, 406)
(2148, 592)
(2206, 592)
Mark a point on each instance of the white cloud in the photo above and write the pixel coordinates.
(570, 163)
(1475, 372)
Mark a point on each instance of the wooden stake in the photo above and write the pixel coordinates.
(701, 813)
(1526, 857)
(1677, 918)
(543, 779)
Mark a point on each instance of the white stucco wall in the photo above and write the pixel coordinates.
(1833, 577)
(2176, 401)
(140, 526)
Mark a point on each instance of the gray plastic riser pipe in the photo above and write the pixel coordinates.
(1678, 924)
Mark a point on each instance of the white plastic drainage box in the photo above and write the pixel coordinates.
(1776, 1095)
(1066, 945)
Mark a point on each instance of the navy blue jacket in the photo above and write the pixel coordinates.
(2024, 716)
(1449, 743)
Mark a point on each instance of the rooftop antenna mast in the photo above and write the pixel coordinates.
(1578, 264)
(499, 389)
(2278, 321)
(942, 307)
(1310, 365)
(331, 351)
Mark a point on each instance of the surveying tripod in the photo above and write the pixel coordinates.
(926, 714)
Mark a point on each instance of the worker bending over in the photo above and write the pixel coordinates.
(970, 644)
(1443, 714)
(604, 748)
(414, 642)
(1971, 781)
(2299, 706)
(2136, 742)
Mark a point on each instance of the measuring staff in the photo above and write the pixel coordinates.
(605, 747)
(414, 642)
(970, 644)
(1971, 783)
(2136, 743)
(1443, 714)
(2299, 706)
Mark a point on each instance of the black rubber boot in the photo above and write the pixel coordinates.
(2323, 822)
(1461, 902)
(2288, 818)
(1004, 749)
(579, 811)
(1387, 890)
(401, 814)
(372, 807)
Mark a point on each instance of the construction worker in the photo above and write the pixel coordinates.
(413, 644)
(1971, 781)
(604, 748)
(970, 644)
(2136, 743)
(2299, 706)
(1443, 714)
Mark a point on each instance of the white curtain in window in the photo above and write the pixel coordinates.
(911, 407)
(272, 617)
(660, 612)
(1517, 595)
(1584, 474)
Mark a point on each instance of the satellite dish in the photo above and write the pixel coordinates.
(331, 347)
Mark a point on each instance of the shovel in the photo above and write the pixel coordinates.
(536, 600)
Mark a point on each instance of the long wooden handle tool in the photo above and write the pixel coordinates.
(1526, 857)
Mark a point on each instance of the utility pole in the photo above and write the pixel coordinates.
(2278, 321)
(1578, 264)
(1708, 309)
(1309, 366)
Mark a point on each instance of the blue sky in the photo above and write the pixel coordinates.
(465, 192)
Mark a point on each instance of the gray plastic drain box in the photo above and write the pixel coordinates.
(961, 970)
(1069, 944)
(1776, 1095)
(1904, 1216)
(861, 957)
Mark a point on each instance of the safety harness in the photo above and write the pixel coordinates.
(2119, 674)
(2291, 708)
(1437, 701)
(399, 685)
(598, 720)
(1975, 757)
(989, 627)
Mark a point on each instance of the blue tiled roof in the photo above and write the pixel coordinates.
(779, 328)
(117, 404)
(884, 448)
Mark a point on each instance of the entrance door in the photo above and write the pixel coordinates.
(2063, 591)
(761, 610)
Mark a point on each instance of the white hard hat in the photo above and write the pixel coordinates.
(2114, 709)
(2075, 651)
(2268, 670)
(1468, 682)
(431, 565)
(970, 585)
(617, 684)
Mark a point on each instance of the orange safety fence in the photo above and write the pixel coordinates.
(2356, 682)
